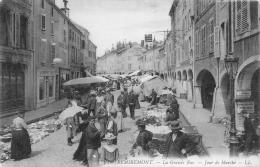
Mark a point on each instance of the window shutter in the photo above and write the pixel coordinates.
(238, 16)
(245, 16)
(216, 42)
(17, 30)
(208, 38)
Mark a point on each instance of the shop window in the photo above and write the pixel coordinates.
(11, 85)
(42, 88)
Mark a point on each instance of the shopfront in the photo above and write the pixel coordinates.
(12, 86)
(46, 82)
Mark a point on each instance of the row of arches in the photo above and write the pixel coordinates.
(247, 79)
(184, 75)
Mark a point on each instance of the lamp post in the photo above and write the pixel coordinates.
(231, 65)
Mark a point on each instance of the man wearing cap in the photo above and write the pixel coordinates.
(143, 138)
(93, 142)
(92, 103)
(178, 144)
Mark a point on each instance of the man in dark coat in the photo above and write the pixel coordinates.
(178, 144)
(154, 97)
(122, 103)
(125, 102)
(132, 103)
(174, 105)
(93, 142)
(170, 115)
(250, 133)
(143, 138)
(92, 104)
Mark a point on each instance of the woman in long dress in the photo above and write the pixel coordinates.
(20, 145)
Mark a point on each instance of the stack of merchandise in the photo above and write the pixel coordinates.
(159, 113)
(152, 120)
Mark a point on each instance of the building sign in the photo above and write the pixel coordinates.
(247, 106)
(243, 94)
(148, 38)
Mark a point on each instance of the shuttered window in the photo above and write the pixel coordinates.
(242, 16)
(203, 41)
(211, 36)
(216, 42)
(197, 43)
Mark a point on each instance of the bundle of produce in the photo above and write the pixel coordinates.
(150, 120)
(6, 138)
(5, 130)
(5, 150)
(4, 156)
(5, 146)
(156, 113)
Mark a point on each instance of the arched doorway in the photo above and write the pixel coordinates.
(208, 84)
(255, 91)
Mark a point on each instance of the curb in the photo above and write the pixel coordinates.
(44, 117)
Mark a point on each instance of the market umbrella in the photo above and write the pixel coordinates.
(86, 80)
(70, 112)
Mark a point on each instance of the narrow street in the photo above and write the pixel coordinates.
(53, 150)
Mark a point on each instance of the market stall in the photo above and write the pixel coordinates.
(155, 123)
(37, 131)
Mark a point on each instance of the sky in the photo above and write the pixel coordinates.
(109, 21)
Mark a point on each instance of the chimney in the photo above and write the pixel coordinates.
(65, 9)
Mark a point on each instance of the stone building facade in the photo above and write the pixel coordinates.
(121, 61)
(246, 27)
(182, 13)
(16, 56)
(92, 58)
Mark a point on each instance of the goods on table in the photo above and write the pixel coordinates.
(159, 113)
(37, 131)
(150, 120)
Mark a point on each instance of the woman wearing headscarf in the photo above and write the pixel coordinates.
(112, 125)
(20, 145)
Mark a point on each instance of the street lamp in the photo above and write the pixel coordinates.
(231, 65)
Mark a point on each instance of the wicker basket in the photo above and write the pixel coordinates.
(111, 156)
